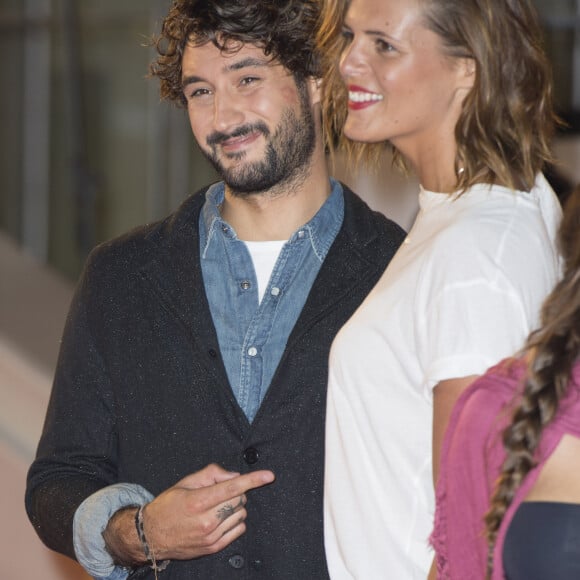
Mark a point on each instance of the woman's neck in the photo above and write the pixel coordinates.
(433, 161)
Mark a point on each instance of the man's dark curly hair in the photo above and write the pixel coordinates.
(284, 29)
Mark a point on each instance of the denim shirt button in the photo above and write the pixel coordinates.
(245, 285)
(252, 351)
(275, 291)
(301, 234)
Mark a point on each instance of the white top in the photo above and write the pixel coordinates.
(264, 256)
(462, 292)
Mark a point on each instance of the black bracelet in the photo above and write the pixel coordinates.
(149, 554)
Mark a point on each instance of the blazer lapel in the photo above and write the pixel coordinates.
(346, 266)
(175, 278)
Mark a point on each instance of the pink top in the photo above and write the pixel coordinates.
(471, 459)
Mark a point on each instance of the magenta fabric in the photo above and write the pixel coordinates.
(471, 459)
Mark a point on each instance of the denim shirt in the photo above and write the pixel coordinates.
(252, 335)
(250, 350)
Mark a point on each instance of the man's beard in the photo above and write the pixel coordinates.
(288, 153)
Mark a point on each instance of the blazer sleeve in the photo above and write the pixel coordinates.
(76, 452)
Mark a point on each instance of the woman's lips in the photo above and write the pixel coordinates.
(360, 98)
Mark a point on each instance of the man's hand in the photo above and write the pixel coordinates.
(201, 514)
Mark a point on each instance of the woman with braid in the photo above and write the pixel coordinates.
(508, 495)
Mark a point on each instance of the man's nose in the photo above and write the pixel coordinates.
(228, 112)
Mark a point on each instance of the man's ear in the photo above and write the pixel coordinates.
(315, 90)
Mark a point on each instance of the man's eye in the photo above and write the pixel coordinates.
(246, 81)
(198, 93)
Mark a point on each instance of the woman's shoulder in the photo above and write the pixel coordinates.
(490, 237)
(499, 381)
(481, 404)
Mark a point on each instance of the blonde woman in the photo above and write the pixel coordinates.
(461, 90)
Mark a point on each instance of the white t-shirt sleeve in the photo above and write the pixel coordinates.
(470, 327)
(481, 291)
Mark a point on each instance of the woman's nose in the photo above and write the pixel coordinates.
(352, 60)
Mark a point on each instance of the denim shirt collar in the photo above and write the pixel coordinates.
(321, 229)
(252, 334)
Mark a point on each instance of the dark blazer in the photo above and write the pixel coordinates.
(141, 393)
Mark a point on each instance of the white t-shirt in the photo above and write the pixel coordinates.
(462, 292)
(264, 257)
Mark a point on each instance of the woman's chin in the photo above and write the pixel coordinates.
(362, 134)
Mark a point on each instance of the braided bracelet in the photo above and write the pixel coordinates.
(149, 554)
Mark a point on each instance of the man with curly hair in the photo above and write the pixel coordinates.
(185, 433)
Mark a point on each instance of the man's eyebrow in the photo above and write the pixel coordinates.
(247, 62)
(189, 80)
(238, 65)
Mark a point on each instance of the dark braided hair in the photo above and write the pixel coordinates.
(285, 29)
(553, 350)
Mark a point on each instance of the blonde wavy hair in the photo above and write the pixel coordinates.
(507, 122)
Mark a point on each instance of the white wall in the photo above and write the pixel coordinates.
(33, 304)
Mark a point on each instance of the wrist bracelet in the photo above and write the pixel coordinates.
(149, 553)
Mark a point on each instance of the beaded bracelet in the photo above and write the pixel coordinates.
(149, 554)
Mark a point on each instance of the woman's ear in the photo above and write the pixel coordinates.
(467, 68)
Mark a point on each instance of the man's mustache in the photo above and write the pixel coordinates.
(218, 137)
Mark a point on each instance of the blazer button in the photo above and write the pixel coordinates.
(251, 455)
(212, 352)
(236, 561)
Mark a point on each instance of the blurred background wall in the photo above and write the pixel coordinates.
(87, 151)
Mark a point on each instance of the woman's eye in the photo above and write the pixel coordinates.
(347, 35)
(384, 46)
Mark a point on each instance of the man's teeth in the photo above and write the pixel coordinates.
(359, 97)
